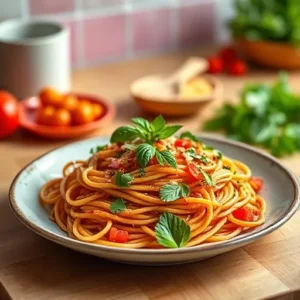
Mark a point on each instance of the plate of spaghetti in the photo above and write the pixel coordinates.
(153, 193)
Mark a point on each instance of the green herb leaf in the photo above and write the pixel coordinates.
(192, 153)
(173, 191)
(142, 123)
(171, 231)
(226, 168)
(168, 131)
(123, 134)
(209, 148)
(144, 153)
(97, 149)
(117, 206)
(166, 157)
(219, 154)
(189, 135)
(207, 178)
(123, 180)
(142, 172)
(158, 123)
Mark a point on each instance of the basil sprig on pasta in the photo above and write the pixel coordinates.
(123, 180)
(173, 191)
(117, 206)
(148, 132)
(171, 231)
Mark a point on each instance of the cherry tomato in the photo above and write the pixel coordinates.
(257, 183)
(117, 235)
(228, 54)
(50, 96)
(245, 214)
(183, 143)
(83, 113)
(9, 114)
(237, 68)
(215, 65)
(62, 117)
(153, 161)
(46, 115)
(97, 110)
(69, 102)
(194, 172)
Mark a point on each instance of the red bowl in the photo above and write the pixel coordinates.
(28, 112)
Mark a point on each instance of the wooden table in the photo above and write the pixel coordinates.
(33, 268)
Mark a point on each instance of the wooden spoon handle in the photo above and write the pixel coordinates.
(191, 68)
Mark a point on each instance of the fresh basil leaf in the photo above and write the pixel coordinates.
(123, 180)
(158, 123)
(171, 231)
(167, 157)
(159, 158)
(189, 135)
(185, 190)
(97, 149)
(142, 123)
(144, 153)
(117, 206)
(168, 131)
(173, 191)
(123, 134)
(207, 178)
(192, 153)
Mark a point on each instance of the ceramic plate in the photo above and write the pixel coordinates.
(281, 191)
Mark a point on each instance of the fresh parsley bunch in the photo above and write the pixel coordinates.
(267, 116)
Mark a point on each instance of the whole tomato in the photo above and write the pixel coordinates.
(215, 65)
(9, 114)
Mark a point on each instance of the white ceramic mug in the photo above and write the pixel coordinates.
(33, 55)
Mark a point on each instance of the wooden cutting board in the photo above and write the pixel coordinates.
(33, 268)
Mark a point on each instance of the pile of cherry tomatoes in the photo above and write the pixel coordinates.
(227, 60)
(59, 109)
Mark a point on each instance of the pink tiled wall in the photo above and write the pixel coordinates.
(107, 30)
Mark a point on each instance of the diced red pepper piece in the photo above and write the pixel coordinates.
(118, 236)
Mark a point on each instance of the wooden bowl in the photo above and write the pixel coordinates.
(28, 111)
(271, 54)
(173, 105)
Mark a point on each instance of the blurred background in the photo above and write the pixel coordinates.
(115, 30)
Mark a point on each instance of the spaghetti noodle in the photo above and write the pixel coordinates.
(182, 194)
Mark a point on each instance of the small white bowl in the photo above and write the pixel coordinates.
(281, 192)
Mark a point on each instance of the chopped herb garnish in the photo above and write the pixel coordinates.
(123, 180)
(142, 172)
(189, 135)
(226, 168)
(192, 153)
(97, 149)
(171, 231)
(166, 157)
(117, 206)
(210, 148)
(207, 178)
(144, 153)
(219, 154)
(173, 191)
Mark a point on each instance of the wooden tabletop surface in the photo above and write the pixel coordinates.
(34, 268)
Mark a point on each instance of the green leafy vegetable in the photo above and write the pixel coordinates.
(192, 153)
(207, 178)
(274, 20)
(165, 157)
(123, 134)
(117, 206)
(123, 180)
(189, 135)
(171, 231)
(144, 153)
(146, 131)
(97, 149)
(219, 154)
(267, 116)
(226, 168)
(173, 191)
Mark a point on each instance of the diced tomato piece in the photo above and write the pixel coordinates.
(194, 172)
(119, 236)
(183, 143)
(245, 214)
(257, 183)
(153, 161)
